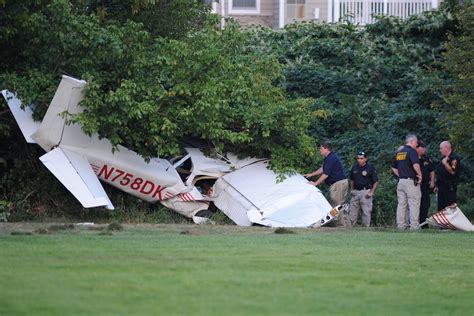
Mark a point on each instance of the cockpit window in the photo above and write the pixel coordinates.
(183, 165)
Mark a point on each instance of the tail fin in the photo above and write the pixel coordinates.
(67, 97)
(23, 117)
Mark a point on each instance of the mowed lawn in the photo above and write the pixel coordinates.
(227, 270)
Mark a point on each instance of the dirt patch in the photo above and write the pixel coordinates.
(44, 228)
(29, 228)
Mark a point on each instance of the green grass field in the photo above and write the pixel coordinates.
(222, 270)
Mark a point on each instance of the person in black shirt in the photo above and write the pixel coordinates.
(363, 181)
(428, 176)
(447, 176)
(332, 173)
(406, 166)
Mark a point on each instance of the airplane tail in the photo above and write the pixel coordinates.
(70, 167)
(67, 97)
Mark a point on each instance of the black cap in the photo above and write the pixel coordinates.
(421, 144)
(362, 153)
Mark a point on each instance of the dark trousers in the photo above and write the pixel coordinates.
(446, 195)
(425, 203)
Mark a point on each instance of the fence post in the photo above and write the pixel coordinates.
(281, 14)
(366, 13)
(337, 12)
(385, 7)
(330, 11)
(222, 3)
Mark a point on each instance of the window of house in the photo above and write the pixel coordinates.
(295, 9)
(244, 6)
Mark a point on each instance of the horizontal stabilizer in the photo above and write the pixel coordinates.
(23, 117)
(77, 176)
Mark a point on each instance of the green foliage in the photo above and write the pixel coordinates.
(457, 111)
(385, 200)
(163, 18)
(378, 84)
(33, 193)
(152, 94)
(156, 85)
(5, 207)
(208, 86)
(466, 198)
(371, 81)
(459, 92)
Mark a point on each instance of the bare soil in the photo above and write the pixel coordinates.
(38, 228)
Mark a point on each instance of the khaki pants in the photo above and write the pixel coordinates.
(408, 208)
(338, 192)
(358, 202)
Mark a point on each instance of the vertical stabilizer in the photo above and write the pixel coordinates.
(67, 97)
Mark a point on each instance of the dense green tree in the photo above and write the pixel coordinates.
(372, 81)
(459, 93)
(152, 93)
(148, 92)
(377, 84)
(165, 18)
(207, 86)
(153, 88)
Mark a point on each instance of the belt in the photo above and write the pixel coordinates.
(336, 182)
(362, 189)
(409, 178)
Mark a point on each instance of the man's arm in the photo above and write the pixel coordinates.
(432, 179)
(320, 180)
(314, 173)
(395, 171)
(372, 191)
(447, 166)
(417, 168)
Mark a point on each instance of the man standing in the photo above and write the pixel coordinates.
(448, 176)
(363, 183)
(407, 168)
(332, 173)
(428, 182)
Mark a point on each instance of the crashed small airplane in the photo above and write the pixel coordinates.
(193, 185)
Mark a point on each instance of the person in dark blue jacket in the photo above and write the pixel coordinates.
(332, 174)
(406, 166)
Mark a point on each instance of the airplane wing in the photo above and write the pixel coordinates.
(77, 176)
(265, 201)
(24, 118)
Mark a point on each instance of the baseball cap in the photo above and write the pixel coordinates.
(421, 144)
